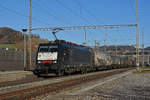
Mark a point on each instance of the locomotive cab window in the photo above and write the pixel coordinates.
(53, 48)
(43, 49)
(48, 48)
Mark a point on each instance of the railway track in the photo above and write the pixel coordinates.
(55, 87)
(25, 80)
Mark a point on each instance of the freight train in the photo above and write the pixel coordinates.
(61, 57)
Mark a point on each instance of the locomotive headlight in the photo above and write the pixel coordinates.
(39, 61)
(55, 61)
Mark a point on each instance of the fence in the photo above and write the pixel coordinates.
(13, 60)
(146, 59)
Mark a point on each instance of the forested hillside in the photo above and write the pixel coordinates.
(12, 39)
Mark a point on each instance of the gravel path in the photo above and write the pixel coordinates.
(129, 86)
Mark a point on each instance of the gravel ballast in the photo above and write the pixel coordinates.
(130, 86)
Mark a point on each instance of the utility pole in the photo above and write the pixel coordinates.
(25, 56)
(105, 39)
(116, 50)
(105, 36)
(96, 42)
(148, 59)
(30, 41)
(85, 35)
(143, 47)
(137, 37)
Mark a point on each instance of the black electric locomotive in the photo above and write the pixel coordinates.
(61, 57)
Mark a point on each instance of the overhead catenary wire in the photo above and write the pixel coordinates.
(132, 7)
(87, 11)
(12, 10)
(21, 14)
(74, 13)
(53, 15)
(87, 27)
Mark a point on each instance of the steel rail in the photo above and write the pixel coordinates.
(56, 87)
